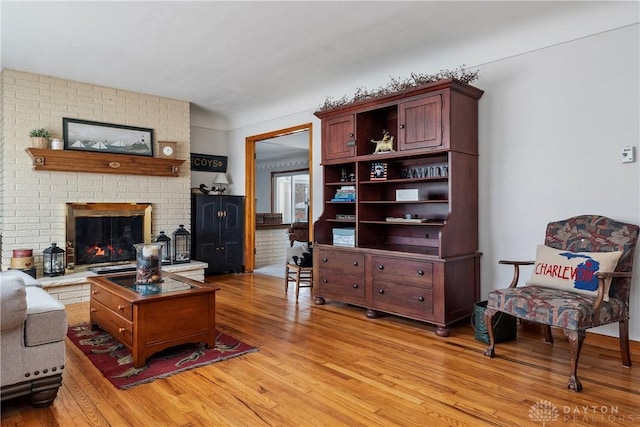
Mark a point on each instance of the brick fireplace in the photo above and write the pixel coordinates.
(33, 203)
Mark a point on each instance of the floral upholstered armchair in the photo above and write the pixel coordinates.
(581, 279)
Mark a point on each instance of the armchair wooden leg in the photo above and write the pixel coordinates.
(488, 320)
(576, 338)
(623, 327)
(548, 337)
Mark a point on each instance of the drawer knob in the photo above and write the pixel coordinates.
(324, 280)
(381, 291)
(355, 263)
(381, 267)
(94, 292)
(121, 331)
(421, 299)
(420, 273)
(324, 260)
(121, 307)
(402, 126)
(355, 286)
(93, 310)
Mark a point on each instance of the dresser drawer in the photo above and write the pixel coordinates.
(119, 328)
(339, 286)
(112, 302)
(346, 262)
(406, 300)
(418, 273)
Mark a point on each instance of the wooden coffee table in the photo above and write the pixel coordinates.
(150, 318)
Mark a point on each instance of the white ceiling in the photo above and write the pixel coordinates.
(227, 57)
(288, 146)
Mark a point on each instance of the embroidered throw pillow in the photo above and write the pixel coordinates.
(572, 271)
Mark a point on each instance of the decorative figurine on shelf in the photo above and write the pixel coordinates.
(203, 189)
(343, 175)
(385, 144)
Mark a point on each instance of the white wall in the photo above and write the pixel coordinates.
(552, 126)
(561, 100)
(207, 138)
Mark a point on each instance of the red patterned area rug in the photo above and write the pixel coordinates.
(115, 362)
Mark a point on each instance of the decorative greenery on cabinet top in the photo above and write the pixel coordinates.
(400, 85)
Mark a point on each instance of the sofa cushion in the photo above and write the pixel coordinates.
(554, 307)
(572, 271)
(13, 301)
(27, 279)
(46, 318)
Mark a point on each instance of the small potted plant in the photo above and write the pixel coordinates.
(40, 137)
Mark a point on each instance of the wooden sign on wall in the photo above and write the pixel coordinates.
(208, 163)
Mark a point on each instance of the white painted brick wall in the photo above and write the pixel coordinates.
(271, 246)
(32, 208)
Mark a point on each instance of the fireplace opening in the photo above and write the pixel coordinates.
(101, 234)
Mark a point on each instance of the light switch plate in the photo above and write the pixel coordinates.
(628, 155)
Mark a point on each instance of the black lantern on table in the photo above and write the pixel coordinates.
(166, 248)
(53, 259)
(181, 245)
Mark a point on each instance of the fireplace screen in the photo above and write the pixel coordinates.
(104, 233)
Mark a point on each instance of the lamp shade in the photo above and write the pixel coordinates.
(221, 178)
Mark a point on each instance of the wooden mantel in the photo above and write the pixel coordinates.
(124, 164)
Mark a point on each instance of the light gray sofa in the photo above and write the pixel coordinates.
(33, 325)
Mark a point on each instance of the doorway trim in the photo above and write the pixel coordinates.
(250, 187)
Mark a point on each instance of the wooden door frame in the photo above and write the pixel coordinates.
(250, 187)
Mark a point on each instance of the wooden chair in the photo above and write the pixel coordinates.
(302, 276)
(574, 310)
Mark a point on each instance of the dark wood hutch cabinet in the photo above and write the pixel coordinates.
(426, 267)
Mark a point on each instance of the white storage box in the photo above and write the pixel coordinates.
(407, 195)
(344, 237)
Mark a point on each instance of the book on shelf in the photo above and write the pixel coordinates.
(346, 193)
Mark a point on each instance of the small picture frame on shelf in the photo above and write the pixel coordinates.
(378, 171)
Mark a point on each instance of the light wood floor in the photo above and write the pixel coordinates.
(330, 365)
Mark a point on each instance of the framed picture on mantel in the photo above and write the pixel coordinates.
(84, 135)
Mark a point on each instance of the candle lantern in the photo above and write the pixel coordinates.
(166, 248)
(53, 258)
(181, 245)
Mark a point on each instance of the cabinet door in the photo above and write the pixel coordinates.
(232, 217)
(420, 123)
(205, 216)
(339, 140)
(230, 256)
